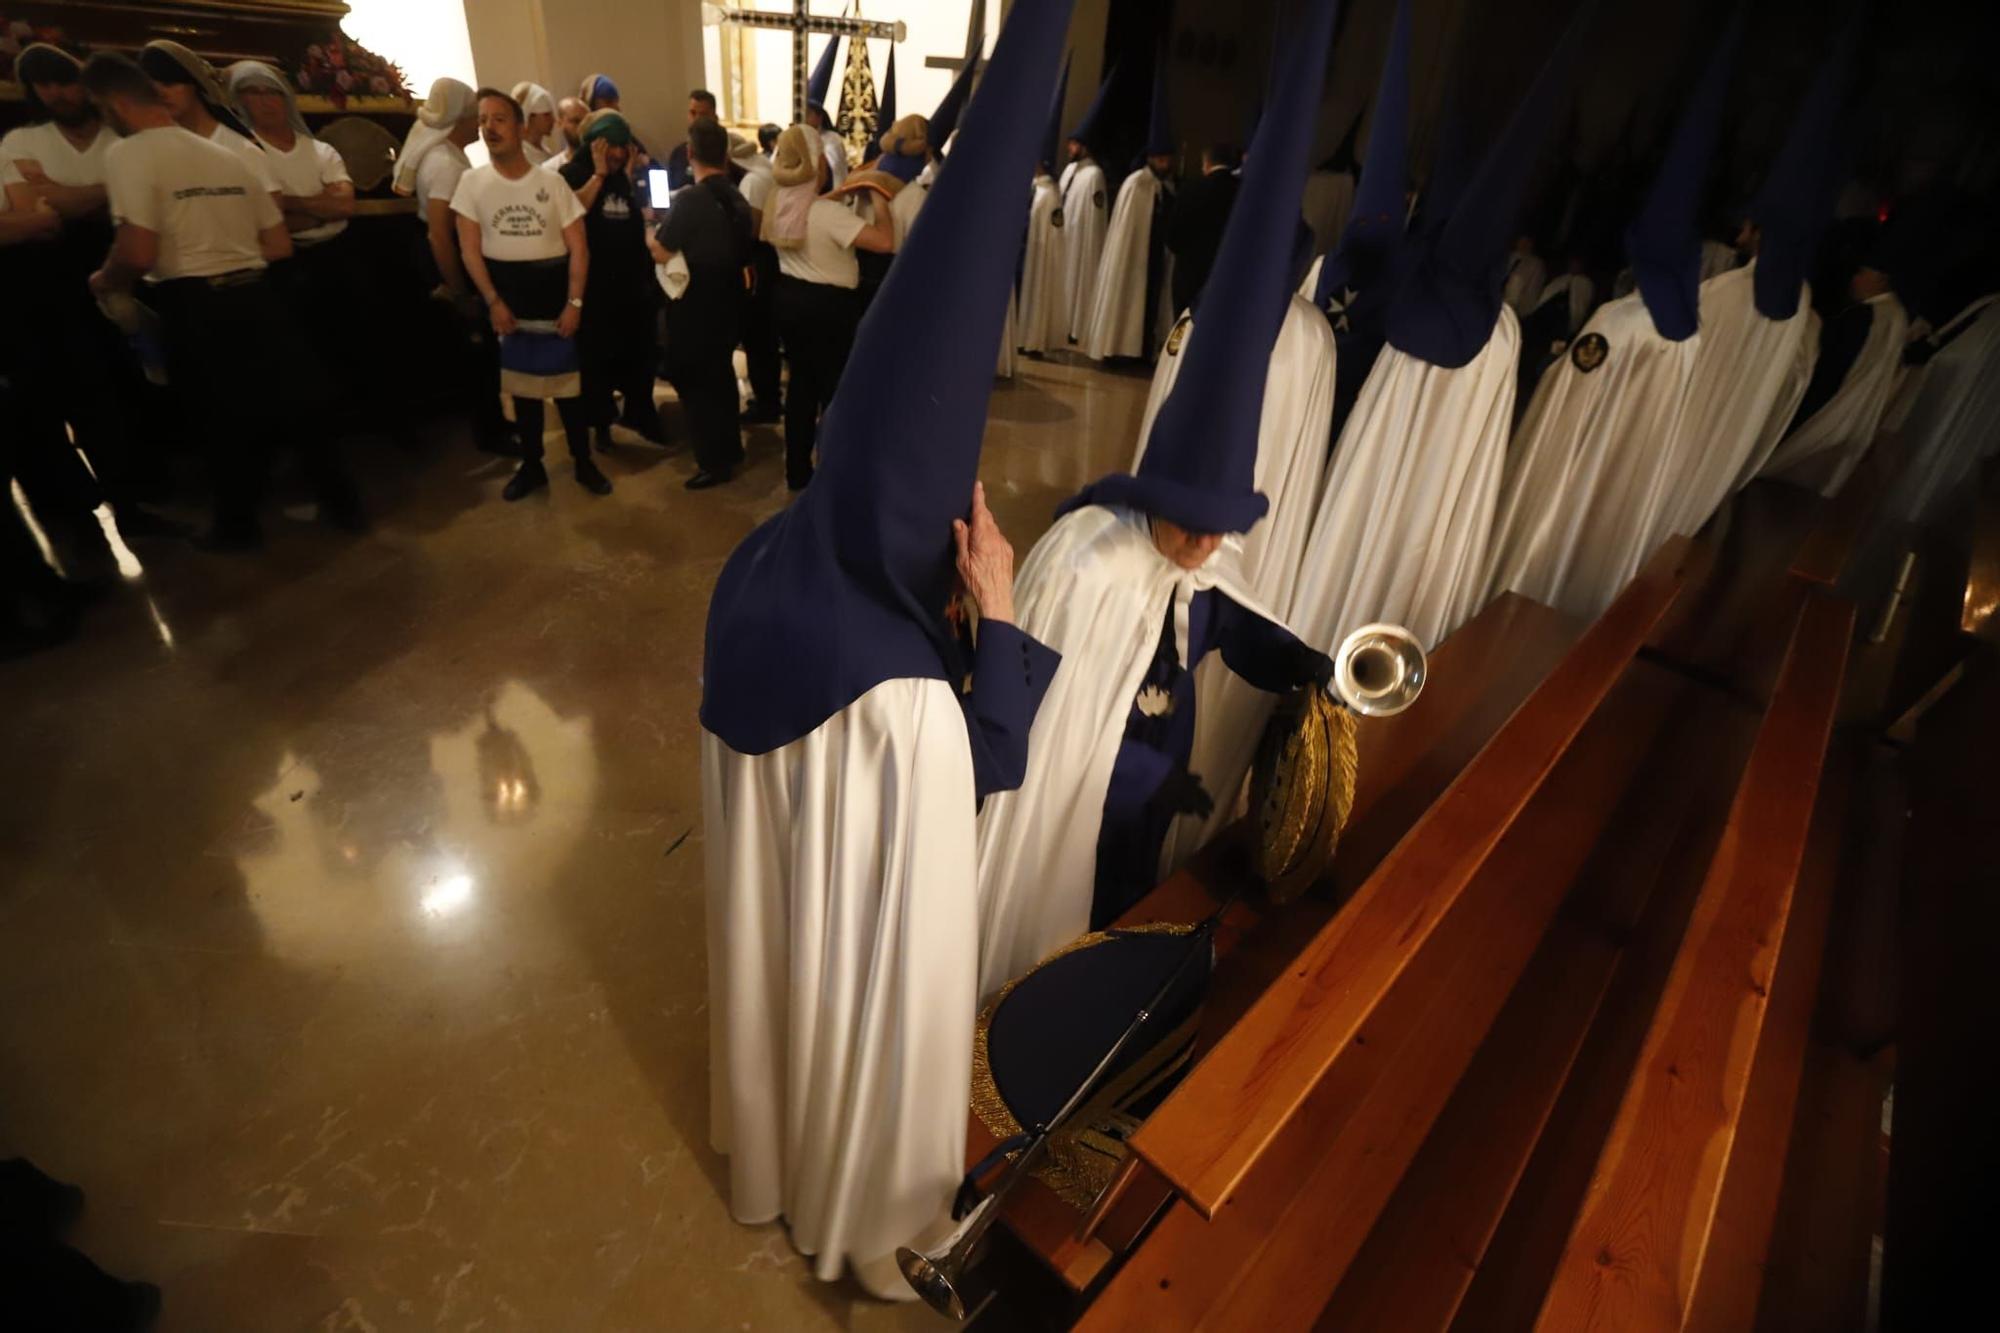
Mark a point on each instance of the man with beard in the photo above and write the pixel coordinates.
(76, 370)
(570, 115)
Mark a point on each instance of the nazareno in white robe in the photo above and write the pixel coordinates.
(843, 932)
(1118, 319)
(1043, 310)
(1402, 528)
(1584, 484)
(1230, 712)
(1085, 212)
(1094, 589)
(1747, 376)
(1826, 448)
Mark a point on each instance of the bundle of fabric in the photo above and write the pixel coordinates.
(796, 164)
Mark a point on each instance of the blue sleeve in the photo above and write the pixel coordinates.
(1010, 674)
(1264, 653)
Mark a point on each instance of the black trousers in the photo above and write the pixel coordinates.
(339, 309)
(703, 373)
(617, 348)
(236, 357)
(817, 324)
(760, 330)
(530, 420)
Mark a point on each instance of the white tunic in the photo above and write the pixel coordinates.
(1117, 324)
(1580, 503)
(1402, 529)
(1826, 448)
(1746, 375)
(1085, 210)
(1096, 590)
(1954, 423)
(842, 942)
(1044, 304)
(1230, 713)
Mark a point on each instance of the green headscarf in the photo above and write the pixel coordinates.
(608, 125)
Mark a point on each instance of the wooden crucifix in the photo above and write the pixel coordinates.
(975, 36)
(799, 22)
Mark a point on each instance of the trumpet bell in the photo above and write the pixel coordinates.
(1379, 670)
(930, 1283)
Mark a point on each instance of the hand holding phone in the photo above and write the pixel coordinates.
(657, 189)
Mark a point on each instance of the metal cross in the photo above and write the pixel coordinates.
(800, 22)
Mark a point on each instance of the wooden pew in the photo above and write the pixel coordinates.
(1477, 679)
(1326, 1085)
(1634, 1259)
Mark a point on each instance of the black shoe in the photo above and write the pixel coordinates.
(592, 480)
(231, 538)
(759, 413)
(531, 477)
(797, 484)
(704, 480)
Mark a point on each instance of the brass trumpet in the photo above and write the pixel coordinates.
(1379, 670)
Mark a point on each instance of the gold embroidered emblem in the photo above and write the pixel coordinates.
(1178, 336)
(1589, 352)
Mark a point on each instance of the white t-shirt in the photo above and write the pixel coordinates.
(756, 187)
(200, 198)
(518, 219)
(253, 156)
(59, 160)
(828, 255)
(304, 172)
(438, 176)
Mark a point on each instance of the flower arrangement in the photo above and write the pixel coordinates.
(340, 68)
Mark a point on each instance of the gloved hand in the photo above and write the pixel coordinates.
(1183, 794)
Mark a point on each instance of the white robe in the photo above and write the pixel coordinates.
(1580, 503)
(1085, 210)
(1746, 375)
(1526, 276)
(1096, 590)
(842, 938)
(1826, 448)
(1044, 305)
(1954, 424)
(1230, 712)
(1910, 379)
(1718, 258)
(1117, 324)
(1402, 528)
(1328, 199)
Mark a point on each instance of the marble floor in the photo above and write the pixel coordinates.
(351, 940)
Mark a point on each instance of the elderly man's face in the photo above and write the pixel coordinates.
(68, 104)
(499, 127)
(1189, 550)
(570, 117)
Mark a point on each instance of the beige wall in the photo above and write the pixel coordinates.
(651, 48)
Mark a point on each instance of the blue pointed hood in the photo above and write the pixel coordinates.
(1366, 252)
(1796, 200)
(1160, 141)
(1664, 242)
(821, 81)
(885, 109)
(1200, 463)
(1052, 141)
(952, 105)
(848, 587)
(1449, 295)
(1097, 118)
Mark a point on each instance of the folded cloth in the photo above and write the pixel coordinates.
(535, 360)
(450, 102)
(673, 276)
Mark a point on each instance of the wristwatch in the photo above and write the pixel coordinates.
(576, 303)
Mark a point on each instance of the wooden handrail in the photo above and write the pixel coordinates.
(1216, 1125)
(1635, 1252)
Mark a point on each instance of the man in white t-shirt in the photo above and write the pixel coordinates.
(76, 369)
(314, 189)
(194, 94)
(520, 229)
(199, 230)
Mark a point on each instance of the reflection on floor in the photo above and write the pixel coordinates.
(351, 945)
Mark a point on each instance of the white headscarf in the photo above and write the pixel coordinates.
(795, 166)
(450, 102)
(251, 74)
(535, 98)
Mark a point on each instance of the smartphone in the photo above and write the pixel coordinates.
(657, 189)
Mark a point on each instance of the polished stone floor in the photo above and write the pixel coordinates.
(351, 941)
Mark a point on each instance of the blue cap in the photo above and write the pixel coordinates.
(1052, 128)
(847, 588)
(1160, 140)
(1097, 118)
(821, 81)
(1448, 296)
(945, 119)
(1353, 281)
(1796, 200)
(1200, 465)
(1664, 241)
